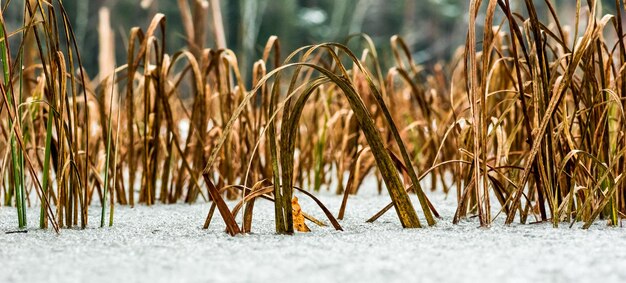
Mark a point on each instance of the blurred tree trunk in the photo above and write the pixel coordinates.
(194, 22)
(252, 14)
(341, 17)
(218, 24)
(106, 59)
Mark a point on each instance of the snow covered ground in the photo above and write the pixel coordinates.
(167, 244)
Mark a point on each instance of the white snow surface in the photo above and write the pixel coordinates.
(165, 243)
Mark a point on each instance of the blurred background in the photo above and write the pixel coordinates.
(433, 29)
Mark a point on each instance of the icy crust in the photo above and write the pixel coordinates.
(166, 244)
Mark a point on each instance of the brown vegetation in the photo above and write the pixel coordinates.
(526, 122)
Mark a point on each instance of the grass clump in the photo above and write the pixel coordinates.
(525, 123)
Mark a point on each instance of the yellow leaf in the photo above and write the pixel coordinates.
(298, 218)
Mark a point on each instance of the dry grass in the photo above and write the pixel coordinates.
(526, 122)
